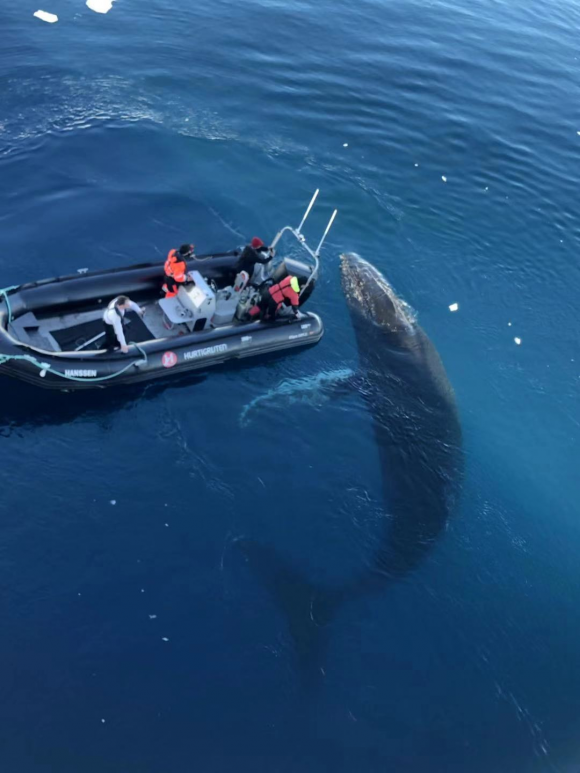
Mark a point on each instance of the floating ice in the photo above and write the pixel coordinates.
(45, 16)
(152, 617)
(443, 178)
(578, 133)
(509, 324)
(113, 501)
(167, 524)
(518, 340)
(103, 721)
(164, 638)
(100, 6)
(345, 144)
(416, 164)
(453, 307)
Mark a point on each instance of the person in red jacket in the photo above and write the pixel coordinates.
(176, 269)
(285, 293)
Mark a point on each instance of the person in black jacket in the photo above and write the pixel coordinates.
(254, 253)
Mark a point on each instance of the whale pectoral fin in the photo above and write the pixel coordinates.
(311, 390)
(307, 608)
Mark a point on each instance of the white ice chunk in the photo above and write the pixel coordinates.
(518, 340)
(45, 16)
(416, 164)
(152, 617)
(113, 501)
(345, 144)
(164, 638)
(509, 324)
(453, 307)
(443, 178)
(103, 721)
(100, 6)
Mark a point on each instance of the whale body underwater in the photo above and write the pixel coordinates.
(419, 439)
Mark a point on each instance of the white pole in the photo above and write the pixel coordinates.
(325, 234)
(91, 341)
(308, 210)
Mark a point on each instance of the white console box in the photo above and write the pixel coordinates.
(199, 299)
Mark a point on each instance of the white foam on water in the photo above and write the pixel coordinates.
(100, 6)
(51, 18)
(454, 307)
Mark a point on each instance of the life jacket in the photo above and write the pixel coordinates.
(175, 267)
(176, 270)
(113, 307)
(285, 291)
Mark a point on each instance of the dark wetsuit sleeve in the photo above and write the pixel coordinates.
(250, 257)
(262, 257)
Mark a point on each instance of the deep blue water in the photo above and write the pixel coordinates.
(122, 135)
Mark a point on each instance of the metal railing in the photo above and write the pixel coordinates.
(297, 233)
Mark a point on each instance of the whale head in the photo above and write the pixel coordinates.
(370, 296)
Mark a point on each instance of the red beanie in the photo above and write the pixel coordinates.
(256, 243)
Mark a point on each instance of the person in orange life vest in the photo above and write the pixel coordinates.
(285, 293)
(176, 269)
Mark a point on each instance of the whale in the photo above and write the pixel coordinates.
(418, 435)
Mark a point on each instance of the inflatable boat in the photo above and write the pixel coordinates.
(52, 334)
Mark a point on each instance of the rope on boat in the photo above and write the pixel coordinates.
(5, 292)
(45, 367)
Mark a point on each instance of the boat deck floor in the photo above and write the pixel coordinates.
(73, 332)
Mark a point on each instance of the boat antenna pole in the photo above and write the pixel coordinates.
(313, 199)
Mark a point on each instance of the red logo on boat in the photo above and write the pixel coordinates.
(169, 359)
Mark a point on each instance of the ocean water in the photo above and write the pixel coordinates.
(134, 636)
